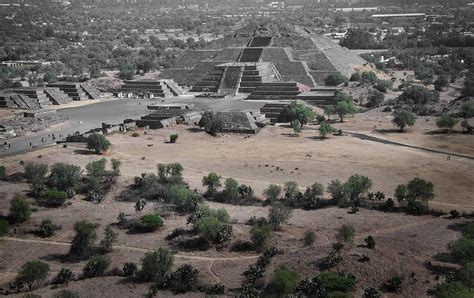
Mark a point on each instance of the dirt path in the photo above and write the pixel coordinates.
(137, 249)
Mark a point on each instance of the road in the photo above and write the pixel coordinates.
(85, 118)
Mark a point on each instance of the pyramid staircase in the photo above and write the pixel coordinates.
(73, 90)
(254, 75)
(275, 91)
(211, 82)
(174, 88)
(320, 96)
(6, 101)
(36, 95)
(251, 55)
(56, 96)
(90, 91)
(145, 89)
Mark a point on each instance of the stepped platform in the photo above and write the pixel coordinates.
(91, 91)
(273, 111)
(144, 89)
(35, 94)
(260, 41)
(6, 101)
(73, 90)
(251, 55)
(56, 96)
(276, 91)
(320, 96)
(238, 122)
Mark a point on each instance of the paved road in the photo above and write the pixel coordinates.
(85, 118)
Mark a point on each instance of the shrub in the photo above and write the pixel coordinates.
(468, 231)
(231, 189)
(462, 249)
(212, 182)
(278, 215)
(312, 195)
(452, 290)
(283, 281)
(370, 242)
(272, 192)
(383, 86)
(156, 265)
(336, 189)
(184, 279)
(337, 282)
(55, 198)
(335, 79)
(320, 118)
(296, 125)
(33, 271)
(375, 99)
(135, 134)
(83, 240)
(454, 213)
(371, 293)
(259, 234)
(344, 105)
(173, 138)
(129, 269)
(150, 223)
(345, 234)
(4, 227)
(98, 143)
(446, 123)
(47, 228)
(311, 287)
(466, 275)
(245, 190)
(393, 284)
(355, 77)
(216, 289)
(211, 123)
(325, 129)
(34, 171)
(214, 225)
(298, 111)
(309, 238)
(20, 209)
(96, 267)
(64, 276)
(110, 238)
(369, 77)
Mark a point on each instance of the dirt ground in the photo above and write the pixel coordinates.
(404, 243)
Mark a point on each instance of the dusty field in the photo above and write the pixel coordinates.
(404, 243)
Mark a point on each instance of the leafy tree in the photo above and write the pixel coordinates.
(417, 97)
(336, 189)
(325, 130)
(260, 234)
(245, 190)
(156, 265)
(335, 79)
(283, 281)
(278, 215)
(170, 173)
(83, 240)
(299, 111)
(313, 194)
(272, 192)
(371, 293)
(173, 138)
(47, 228)
(64, 276)
(369, 77)
(184, 279)
(356, 186)
(452, 289)
(98, 143)
(393, 284)
(291, 190)
(375, 99)
(110, 237)
(214, 225)
(382, 86)
(211, 123)
(355, 77)
(20, 209)
(467, 110)
(212, 181)
(129, 269)
(402, 117)
(446, 123)
(150, 223)
(309, 238)
(345, 234)
(296, 125)
(329, 110)
(466, 275)
(34, 170)
(231, 189)
(33, 271)
(441, 82)
(357, 38)
(96, 267)
(344, 105)
(3, 173)
(462, 249)
(337, 282)
(65, 176)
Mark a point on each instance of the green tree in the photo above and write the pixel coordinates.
(369, 77)
(462, 249)
(313, 194)
(272, 192)
(150, 222)
(20, 209)
(325, 130)
(84, 238)
(344, 105)
(212, 181)
(446, 123)
(55, 198)
(383, 86)
(156, 265)
(402, 117)
(47, 228)
(4, 227)
(231, 189)
(65, 176)
(33, 271)
(260, 234)
(283, 281)
(335, 79)
(279, 214)
(98, 143)
(375, 99)
(299, 111)
(110, 237)
(336, 189)
(64, 276)
(184, 279)
(466, 275)
(329, 110)
(356, 186)
(441, 82)
(452, 289)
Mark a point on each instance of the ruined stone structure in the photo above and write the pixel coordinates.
(268, 62)
(77, 91)
(148, 89)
